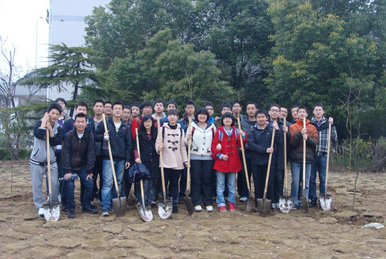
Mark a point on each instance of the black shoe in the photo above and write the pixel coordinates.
(181, 200)
(90, 210)
(71, 214)
(313, 203)
(63, 208)
(175, 209)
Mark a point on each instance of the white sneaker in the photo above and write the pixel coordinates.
(198, 208)
(41, 212)
(244, 198)
(209, 208)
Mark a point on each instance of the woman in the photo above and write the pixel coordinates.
(148, 156)
(201, 161)
(227, 160)
(174, 154)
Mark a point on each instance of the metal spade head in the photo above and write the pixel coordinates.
(51, 211)
(165, 209)
(146, 214)
(325, 202)
(264, 207)
(189, 205)
(305, 204)
(119, 206)
(285, 204)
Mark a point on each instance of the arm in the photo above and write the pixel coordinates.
(90, 154)
(253, 146)
(98, 136)
(313, 138)
(296, 137)
(56, 139)
(216, 154)
(66, 149)
(183, 148)
(129, 147)
(39, 132)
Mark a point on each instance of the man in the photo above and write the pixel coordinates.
(320, 157)
(135, 110)
(108, 109)
(294, 112)
(278, 160)
(79, 158)
(126, 183)
(189, 108)
(121, 145)
(98, 108)
(210, 107)
(38, 158)
(146, 109)
(126, 115)
(259, 144)
(159, 107)
(80, 107)
(236, 109)
(225, 107)
(284, 114)
(247, 126)
(298, 134)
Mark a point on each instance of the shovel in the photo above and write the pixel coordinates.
(264, 205)
(249, 202)
(285, 202)
(324, 199)
(165, 207)
(303, 198)
(187, 199)
(52, 209)
(145, 213)
(119, 204)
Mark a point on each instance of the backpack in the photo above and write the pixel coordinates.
(194, 129)
(220, 135)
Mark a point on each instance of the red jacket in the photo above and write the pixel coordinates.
(228, 147)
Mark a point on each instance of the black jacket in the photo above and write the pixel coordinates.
(279, 151)
(78, 153)
(258, 142)
(120, 142)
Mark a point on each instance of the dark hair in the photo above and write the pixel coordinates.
(126, 107)
(136, 104)
(159, 101)
(142, 129)
(117, 103)
(252, 102)
(274, 105)
(225, 105)
(294, 106)
(188, 102)
(201, 110)
(284, 108)
(208, 104)
(109, 103)
(303, 107)
(62, 100)
(318, 105)
(172, 111)
(80, 115)
(236, 101)
(171, 102)
(53, 106)
(146, 103)
(81, 103)
(98, 101)
(261, 111)
(227, 115)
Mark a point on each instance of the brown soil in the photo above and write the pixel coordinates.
(319, 234)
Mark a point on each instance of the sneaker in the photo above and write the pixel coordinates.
(275, 205)
(175, 209)
(295, 207)
(256, 209)
(313, 203)
(105, 213)
(90, 210)
(209, 208)
(232, 206)
(181, 200)
(63, 208)
(71, 214)
(198, 208)
(244, 198)
(41, 212)
(153, 202)
(222, 209)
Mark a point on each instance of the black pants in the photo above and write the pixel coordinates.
(183, 183)
(171, 183)
(202, 181)
(259, 176)
(97, 170)
(278, 185)
(242, 187)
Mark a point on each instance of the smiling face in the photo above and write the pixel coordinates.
(283, 112)
(202, 117)
(274, 112)
(80, 124)
(108, 109)
(261, 119)
(147, 124)
(135, 111)
(210, 110)
(117, 110)
(227, 121)
(54, 115)
(126, 114)
(302, 113)
(147, 110)
(81, 109)
(318, 112)
(172, 118)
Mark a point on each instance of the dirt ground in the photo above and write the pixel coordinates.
(334, 234)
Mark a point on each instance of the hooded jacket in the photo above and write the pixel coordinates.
(296, 153)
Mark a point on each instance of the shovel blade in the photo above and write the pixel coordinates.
(264, 207)
(305, 204)
(325, 202)
(249, 204)
(189, 205)
(164, 210)
(145, 213)
(285, 204)
(119, 206)
(51, 211)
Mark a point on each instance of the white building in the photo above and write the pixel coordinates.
(66, 24)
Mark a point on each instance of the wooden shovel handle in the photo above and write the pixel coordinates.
(48, 161)
(188, 168)
(328, 155)
(160, 140)
(285, 153)
(137, 139)
(243, 155)
(304, 156)
(269, 165)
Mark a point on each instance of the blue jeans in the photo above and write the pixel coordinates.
(296, 171)
(319, 165)
(108, 181)
(88, 186)
(221, 187)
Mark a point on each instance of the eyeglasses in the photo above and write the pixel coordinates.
(274, 110)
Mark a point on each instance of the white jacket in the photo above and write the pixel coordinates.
(201, 140)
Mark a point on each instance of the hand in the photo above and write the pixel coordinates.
(225, 157)
(269, 150)
(127, 165)
(89, 176)
(160, 147)
(49, 126)
(186, 164)
(217, 118)
(305, 136)
(218, 147)
(188, 136)
(138, 160)
(67, 176)
(242, 133)
(106, 135)
(46, 117)
(304, 131)
(274, 124)
(285, 128)
(331, 120)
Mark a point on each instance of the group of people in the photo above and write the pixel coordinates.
(80, 146)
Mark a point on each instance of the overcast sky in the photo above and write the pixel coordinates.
(19, 20)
